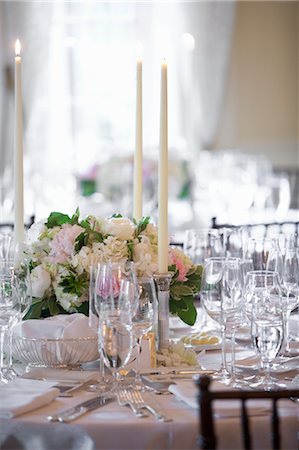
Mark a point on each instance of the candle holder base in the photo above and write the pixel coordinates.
(163, 289)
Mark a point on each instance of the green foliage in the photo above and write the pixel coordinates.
(182, 294)
(75, 284)
(57, 219)
(130, 245)
(142, 224)
(44, 308)
(81, 240)
(116, 216)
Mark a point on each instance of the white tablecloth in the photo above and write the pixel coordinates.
(115, 428)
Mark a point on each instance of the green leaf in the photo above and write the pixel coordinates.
(116, 216)
(142, 224)
(85, 224)
(57, 219)
(188, 316)
(130, 245)
(35, 310)
(75, 217)
(96, 237)
(84, 308)
(180, 290)
(74, 284)
(81, 240)
(53, 307)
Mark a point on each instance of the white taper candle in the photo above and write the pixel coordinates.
(18, 153)
(163, 177)
(137, 206)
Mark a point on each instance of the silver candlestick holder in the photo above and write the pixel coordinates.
(163, 289)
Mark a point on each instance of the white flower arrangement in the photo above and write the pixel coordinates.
(62, 249)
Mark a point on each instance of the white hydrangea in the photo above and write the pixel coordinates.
(145, 257)
(112, 249)
(69, 302)
(87, 257)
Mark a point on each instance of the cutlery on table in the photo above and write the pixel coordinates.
(69, 390)
(138, 401)
(82, 408)
(124, 399)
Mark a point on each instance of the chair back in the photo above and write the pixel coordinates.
(207, 439)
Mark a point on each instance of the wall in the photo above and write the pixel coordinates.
(260, 111)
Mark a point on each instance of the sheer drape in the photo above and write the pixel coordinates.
(79, 84)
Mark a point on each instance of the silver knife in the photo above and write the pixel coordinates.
(77, 411)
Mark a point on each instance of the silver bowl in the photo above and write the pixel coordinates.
(55, 353)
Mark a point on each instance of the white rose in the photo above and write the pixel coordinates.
(120, 227)
(40, 281)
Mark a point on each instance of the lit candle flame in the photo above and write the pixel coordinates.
(18, 47)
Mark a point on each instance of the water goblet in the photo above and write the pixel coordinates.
(144, 316)
(99, 276)
(21, 281)
(115, 331)
(267, 335)
(290, 282)
(260, 286)
(10, 310)
(212, 296)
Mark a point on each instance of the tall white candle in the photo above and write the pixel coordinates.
(137, 207)
(18, 154)
(163, 177)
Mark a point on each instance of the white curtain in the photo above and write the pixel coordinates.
(79, 84)
(203, 80)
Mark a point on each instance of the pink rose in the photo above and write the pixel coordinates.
(181, 261)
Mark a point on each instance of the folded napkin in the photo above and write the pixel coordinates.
(187, 392)
(62, 326)
(20, 396)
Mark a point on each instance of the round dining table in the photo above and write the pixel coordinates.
(114, 427)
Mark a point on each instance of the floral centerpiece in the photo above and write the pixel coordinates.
(61, 250)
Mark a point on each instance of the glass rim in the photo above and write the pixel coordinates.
(266, 273)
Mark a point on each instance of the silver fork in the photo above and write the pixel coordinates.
(139, 402)
(124, 399)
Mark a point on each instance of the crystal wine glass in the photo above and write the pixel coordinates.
(10, 309)
(290, 282)
(115, 330)
(263, 308)
(212, 295)
(143, 317)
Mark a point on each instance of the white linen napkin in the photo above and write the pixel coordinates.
(62, 326)
(20, 396)
(187, 392)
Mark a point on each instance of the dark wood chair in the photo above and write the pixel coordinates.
(207, 439)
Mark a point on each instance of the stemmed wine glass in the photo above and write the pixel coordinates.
(221, 293)
(10, 309)
(98, 276)
(20, 281)
(290, 282)
(263, 306)
(115, 330)
(144, 315)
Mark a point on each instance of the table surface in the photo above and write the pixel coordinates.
(114, 427)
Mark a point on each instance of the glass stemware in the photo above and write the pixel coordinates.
(98, 276)
(290, 282)
(10, 310)
(263, 306)
(143, 318)
(115, 331)
(221, 293)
